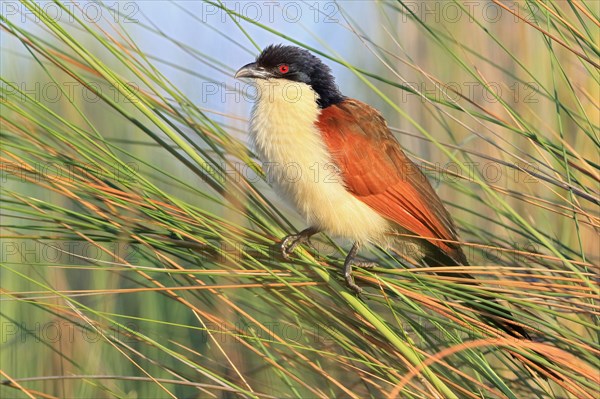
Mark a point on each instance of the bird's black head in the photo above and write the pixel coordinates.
(295, 64)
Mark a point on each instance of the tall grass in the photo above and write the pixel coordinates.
(139, 236)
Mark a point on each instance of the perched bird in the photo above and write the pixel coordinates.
(336, 160)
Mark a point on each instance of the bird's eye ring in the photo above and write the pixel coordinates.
(284, 68)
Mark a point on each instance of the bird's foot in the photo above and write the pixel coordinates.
(350, 281)
(349, 262)
(289, 243)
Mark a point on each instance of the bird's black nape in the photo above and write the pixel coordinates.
(303, 67)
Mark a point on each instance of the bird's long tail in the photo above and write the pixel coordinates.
(487, 307)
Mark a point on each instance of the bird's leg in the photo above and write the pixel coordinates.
(289, 243)
(349, 262)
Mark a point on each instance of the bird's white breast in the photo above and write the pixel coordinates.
(299, 166)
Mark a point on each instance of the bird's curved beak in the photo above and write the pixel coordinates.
(252, 70)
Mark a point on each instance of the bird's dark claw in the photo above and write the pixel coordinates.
(289, 243)
(350, 280)
(349, 262)
(364, 264)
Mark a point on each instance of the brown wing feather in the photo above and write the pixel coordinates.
(377, 172)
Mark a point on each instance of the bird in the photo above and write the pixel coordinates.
(336, 160)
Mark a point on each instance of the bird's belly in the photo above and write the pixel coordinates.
(319, 195)
(302, 172)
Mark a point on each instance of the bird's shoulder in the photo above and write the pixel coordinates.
(353, 116)
(358, 134)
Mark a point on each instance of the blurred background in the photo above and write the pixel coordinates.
(138, 249)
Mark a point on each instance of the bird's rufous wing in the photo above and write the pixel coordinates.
(377, 172)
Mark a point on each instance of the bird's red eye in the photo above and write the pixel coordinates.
(283, 68)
